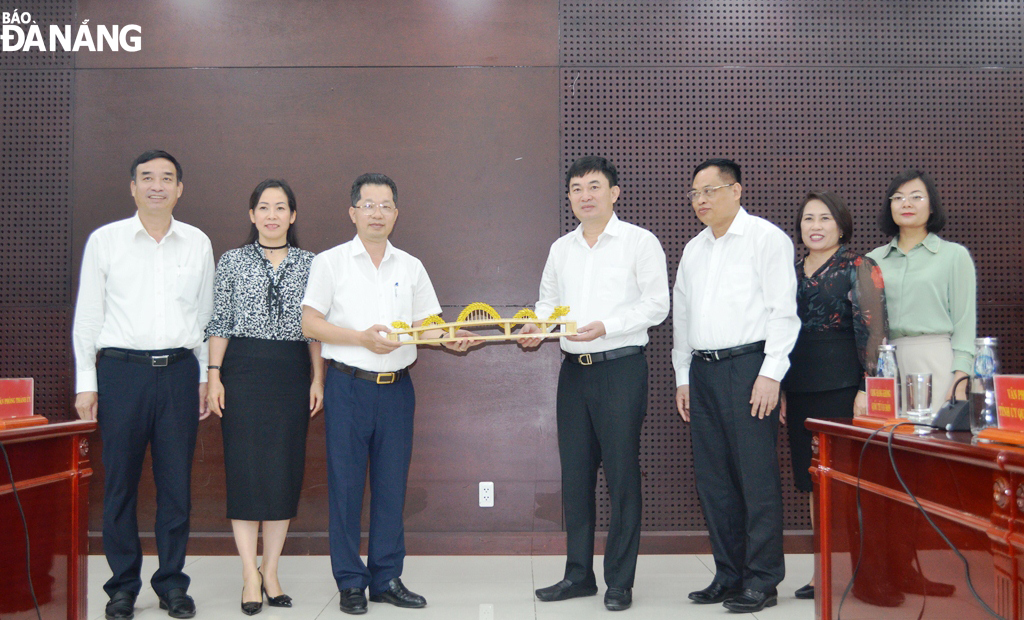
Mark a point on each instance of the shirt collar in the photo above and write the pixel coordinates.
(931, 243)
(358, 248)
(613, 228)
(737, 227)
(137, 227)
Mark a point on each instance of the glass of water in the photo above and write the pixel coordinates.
(919, 400)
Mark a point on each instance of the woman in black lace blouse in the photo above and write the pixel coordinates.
(266, 382)
(841, 304)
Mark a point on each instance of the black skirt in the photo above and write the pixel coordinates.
(803, 405)
(823, 361)
(266, 416)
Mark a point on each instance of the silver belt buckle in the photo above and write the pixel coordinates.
(159, 361)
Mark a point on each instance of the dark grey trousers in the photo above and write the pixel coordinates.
(600, 411)
(737, 470)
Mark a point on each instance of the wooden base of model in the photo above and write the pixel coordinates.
(482, 316)
(506, 325)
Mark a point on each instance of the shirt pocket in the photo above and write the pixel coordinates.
(401, 294)
(188, 275)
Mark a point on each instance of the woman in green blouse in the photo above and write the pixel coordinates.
(930, 288)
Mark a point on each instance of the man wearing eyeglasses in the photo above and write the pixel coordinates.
(734, 325)
(355, 291)
(614, 278)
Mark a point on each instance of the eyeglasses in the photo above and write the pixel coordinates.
(370, 207)
(706, 192)
(913, 198)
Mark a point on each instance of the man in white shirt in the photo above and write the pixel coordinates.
(734, 325)
(355, 291)
(144, 298)
(614, 278)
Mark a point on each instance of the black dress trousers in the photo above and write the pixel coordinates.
(600, 410)
(736, 466)
(140, 405)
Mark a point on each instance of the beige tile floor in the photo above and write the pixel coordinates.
(462, 587)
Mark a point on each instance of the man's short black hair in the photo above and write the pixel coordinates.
(937, 218)
(372, 178)
(836, 206)
(729, 169)
(592, 163)
(156, 154)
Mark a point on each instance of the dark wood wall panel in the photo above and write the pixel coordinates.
(317, 33)
(837, 96)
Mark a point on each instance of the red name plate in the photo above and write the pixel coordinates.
(881, 397)
(1010, 401)
(15, 398)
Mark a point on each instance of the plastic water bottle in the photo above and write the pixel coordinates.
(983, 391)
(887, 368)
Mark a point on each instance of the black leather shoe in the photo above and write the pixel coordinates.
(121, 606)
(399, 596)
(178, 604)
(276, 601)
(752, 601)
(251, 608)
(353, 601)
(618, 599)
(563, 590)
(715, 593)
(805, 592)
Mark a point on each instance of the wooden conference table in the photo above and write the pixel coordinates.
(51, 473)
(973, 492)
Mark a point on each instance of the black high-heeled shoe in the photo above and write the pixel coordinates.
(276, 601)
(251, 608)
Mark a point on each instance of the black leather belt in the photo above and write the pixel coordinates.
(156, 359)
(724, 354)
(380, 378)
(586, 359)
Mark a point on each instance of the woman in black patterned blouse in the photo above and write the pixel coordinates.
(266, 382)
(841, 305)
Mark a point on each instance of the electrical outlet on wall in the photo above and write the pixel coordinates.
(487, 495)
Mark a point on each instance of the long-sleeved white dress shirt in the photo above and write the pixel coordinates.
(352, 293)
(622, 281)
(735, 290)
(137, 293)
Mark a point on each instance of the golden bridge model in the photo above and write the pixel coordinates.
(479, 315)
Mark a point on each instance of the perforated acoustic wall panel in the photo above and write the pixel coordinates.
(35, 207)
(802, 95)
